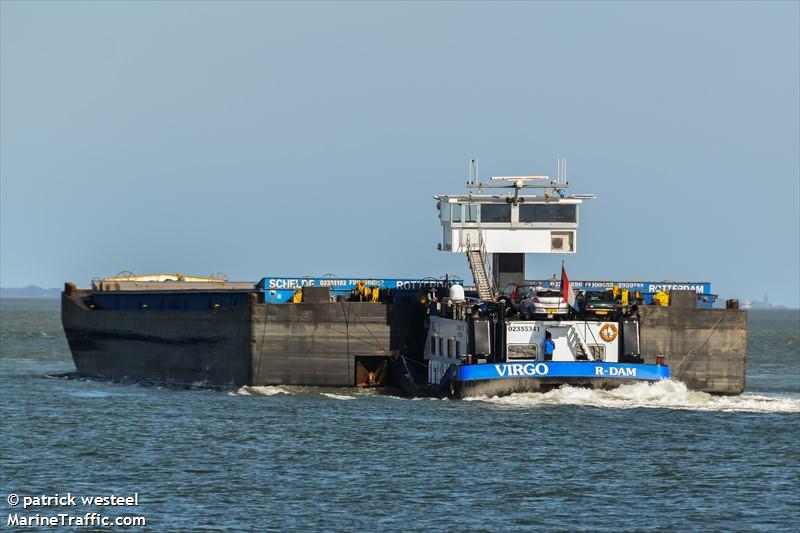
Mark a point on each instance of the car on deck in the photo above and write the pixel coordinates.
(541, 302)
(513, 293)
(597, 304)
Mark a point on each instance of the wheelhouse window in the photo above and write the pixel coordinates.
(445, 214)
(456, 210)
(433, 345)
(547, 213)
(470, 213)
(496, 213)
(463, 212)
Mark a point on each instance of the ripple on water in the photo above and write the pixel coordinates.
(90, 394)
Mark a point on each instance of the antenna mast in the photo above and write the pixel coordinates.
(473, 172)
(561, 177)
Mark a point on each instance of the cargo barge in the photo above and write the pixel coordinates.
(426, 336)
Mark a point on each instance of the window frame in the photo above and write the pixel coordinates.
(537, 219)
(500, 206)
(534, 347)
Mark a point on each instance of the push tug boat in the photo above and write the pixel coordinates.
(490, 345)
(474, 348)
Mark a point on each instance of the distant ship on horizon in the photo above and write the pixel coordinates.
(763, 304)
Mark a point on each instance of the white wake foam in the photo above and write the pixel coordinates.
(665, 394)
(270, 390)
(338, 396)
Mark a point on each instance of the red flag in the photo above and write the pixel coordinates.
(566, 290)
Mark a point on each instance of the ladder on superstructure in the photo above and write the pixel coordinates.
(476, 255)
(573, 331)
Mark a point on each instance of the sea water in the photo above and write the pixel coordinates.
(640, 457)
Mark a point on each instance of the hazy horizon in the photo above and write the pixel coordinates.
(292, 139)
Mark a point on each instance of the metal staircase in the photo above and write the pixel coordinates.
(574, 336)
(477, 264)
(481, 273)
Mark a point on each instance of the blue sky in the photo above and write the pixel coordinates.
(308, 138)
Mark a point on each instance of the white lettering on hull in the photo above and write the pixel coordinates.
(614, 371)
(522, 370)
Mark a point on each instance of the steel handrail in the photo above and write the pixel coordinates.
(481, 248)
(486, 265)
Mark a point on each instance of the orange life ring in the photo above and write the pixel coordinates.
(608, 332)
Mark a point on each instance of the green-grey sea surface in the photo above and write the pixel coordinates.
(641, 457)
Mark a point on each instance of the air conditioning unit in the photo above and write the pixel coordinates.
(561, 241)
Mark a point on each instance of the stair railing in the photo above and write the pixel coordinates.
(480, 247)
(486, 265)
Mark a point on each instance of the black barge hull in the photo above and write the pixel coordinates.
(344, 344)
(187, 347)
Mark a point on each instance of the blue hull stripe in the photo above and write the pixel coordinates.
(562, 369)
